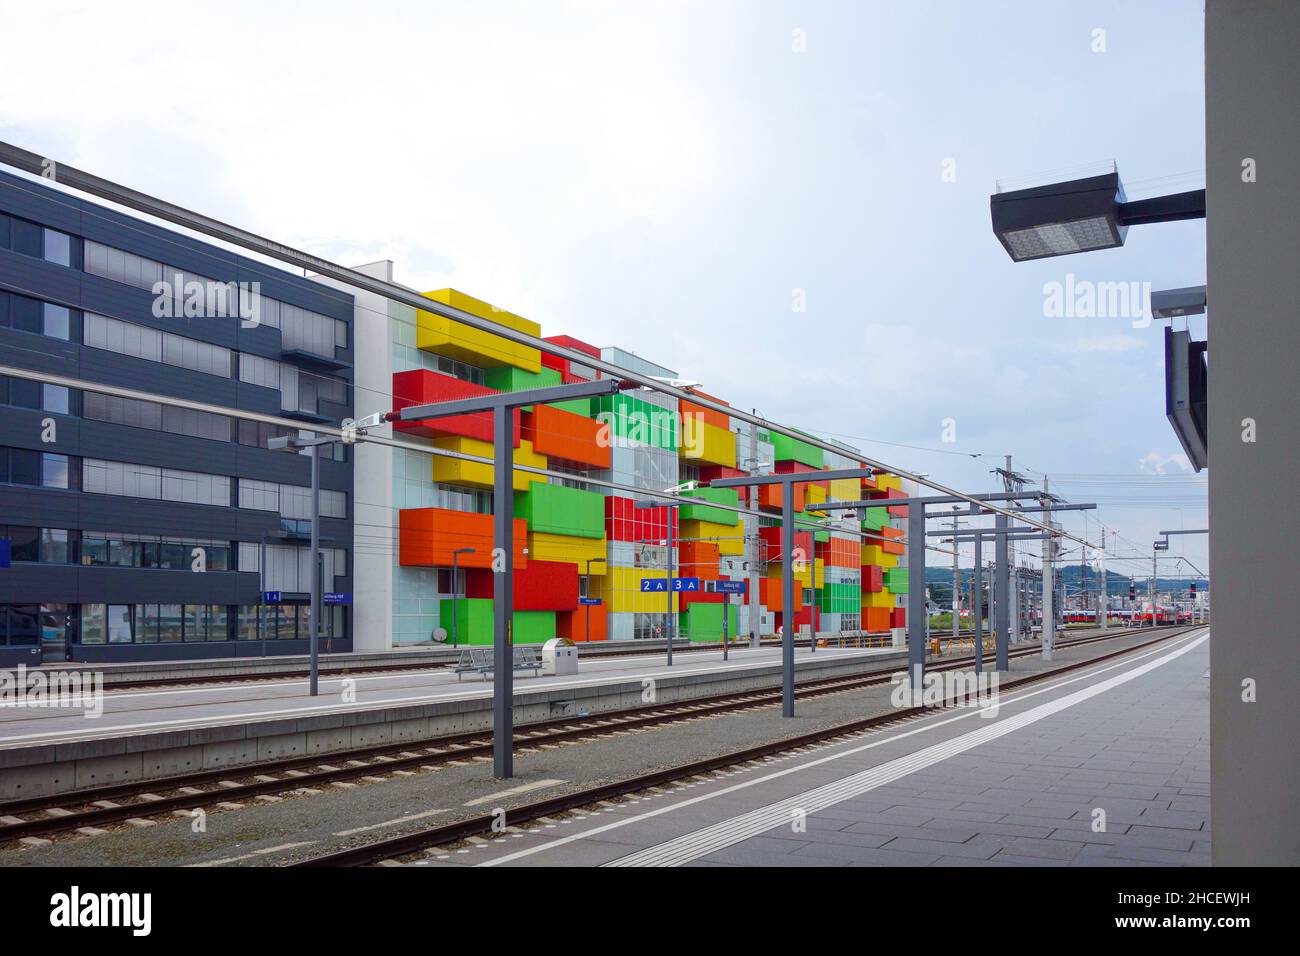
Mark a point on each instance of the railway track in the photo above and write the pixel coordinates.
(420, 666)
(414, 667)
(91, 810)
(447, 835)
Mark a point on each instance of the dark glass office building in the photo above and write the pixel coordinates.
(139, 531)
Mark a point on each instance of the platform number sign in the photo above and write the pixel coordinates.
(660, 585)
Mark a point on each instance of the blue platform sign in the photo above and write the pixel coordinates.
(270, 597)
(6, 553)
(337, 597)
(729, 587)
(590, 602)
(661, 584)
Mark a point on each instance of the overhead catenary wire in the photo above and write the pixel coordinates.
(66, 381)
(37, 165)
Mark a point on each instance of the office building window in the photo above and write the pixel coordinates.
(119, 623)
(26, 238)
(142, 414)
(54, 546)
(40, 318)
(310, 331)
(93, 623)
(20, 466)
(290, 501)
(126, 550)
(247, 628)
(146, 481)
(58, 247)
(460, 370)
(54, 471)
(122, 266)
(137, 341)
(24, 543)
(259, 434)
(23, 393)
(56, 321)
(20, 624)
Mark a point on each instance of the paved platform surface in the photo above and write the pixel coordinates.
(1127, 738)
(189, 707)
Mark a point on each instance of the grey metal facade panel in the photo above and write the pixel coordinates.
(177, 519)
(27, 275)
(101, 365)
(22, 428)
(75, 584)
(29, 200)
(40, 507)
(161, 449)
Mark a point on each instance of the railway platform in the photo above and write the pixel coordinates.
(1104, 766)
(165, 732)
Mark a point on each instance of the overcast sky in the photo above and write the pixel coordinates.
(675, 179)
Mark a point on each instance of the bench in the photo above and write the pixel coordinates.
(479, 660)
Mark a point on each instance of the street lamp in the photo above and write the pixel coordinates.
(1081, 215)
(295, 445)
(668, 563)
(590, 561)
(455, 588)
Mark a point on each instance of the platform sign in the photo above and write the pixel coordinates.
(337, 597)
(590, 602)
(729, 587)
(270, 597)
(1160, 546)
(6, 553)
(660, 585)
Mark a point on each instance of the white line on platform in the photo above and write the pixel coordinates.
(254, 854)
(391, 823)
(877, 741)
(485, 690)
(513, 791)
(725, 833)
(236, 684)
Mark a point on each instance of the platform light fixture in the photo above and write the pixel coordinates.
(1081, 215)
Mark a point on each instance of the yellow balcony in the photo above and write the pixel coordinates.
(455, 471)
(444, 336)
(543, 546)
(707, 443)
(882, 598)
(731, 539)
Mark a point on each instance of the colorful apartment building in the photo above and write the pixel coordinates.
(582, 550)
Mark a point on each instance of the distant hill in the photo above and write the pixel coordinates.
(939, 581)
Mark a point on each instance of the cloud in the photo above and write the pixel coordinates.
(1100, 343)
(1154, 463)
